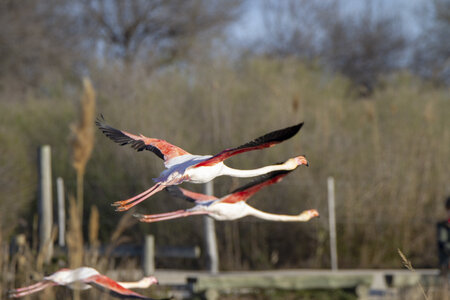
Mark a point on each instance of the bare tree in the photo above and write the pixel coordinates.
(158, 30)
(61, 36)
(292, 27)
(431, 58)
(363, 47)
(360, 44)
(36, 38)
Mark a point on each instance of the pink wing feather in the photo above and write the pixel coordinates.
(161, 148)
(246, 191)
(105, 283)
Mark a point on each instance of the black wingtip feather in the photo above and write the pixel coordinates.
(99, 120)
(122, 139)
(276, 136)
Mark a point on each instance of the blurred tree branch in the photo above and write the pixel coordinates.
(159, 31)
(431, 50)
(361, 46)
(38, 38)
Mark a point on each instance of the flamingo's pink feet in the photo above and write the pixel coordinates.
(143, 218)
(122, 205)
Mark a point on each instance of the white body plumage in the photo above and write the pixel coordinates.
(73, 278)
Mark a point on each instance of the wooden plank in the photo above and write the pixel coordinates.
(282, 281)
(293, 279)
(308, 279)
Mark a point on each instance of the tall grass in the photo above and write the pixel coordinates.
(387, 153)
(407, 263)
(83, 139)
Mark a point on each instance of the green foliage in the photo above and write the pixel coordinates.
(388, 154)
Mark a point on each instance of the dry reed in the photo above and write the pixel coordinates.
(74, 236)
(3, 260)
(407, 263)
(75, 239)
(93, 226)
(117, 237)
(94, 243)
(43, 253)
(83, 138)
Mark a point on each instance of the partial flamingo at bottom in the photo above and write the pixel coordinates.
(83, 278)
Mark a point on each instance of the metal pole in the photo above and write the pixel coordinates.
(149, 255)
(45, 201)
(332, 220)
(210, 236)
(61, 212)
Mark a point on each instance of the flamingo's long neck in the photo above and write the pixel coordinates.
(134, 284)
(254, 172)
(275, 217)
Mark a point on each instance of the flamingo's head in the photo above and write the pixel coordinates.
(293, 163)
(308, 214)
(148, 281)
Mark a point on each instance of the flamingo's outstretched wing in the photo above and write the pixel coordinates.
(107, 284)
(267, 140)
(244, 192)
(188, 195)
(161, 148)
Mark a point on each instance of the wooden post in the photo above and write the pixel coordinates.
(149, 255)
(45, 208)
(332, 220)
(210, 237)
(61, 212)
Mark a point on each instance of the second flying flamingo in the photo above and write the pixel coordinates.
(182, 166)
(229, 207)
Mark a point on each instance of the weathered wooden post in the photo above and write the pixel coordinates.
(61, 212)
(332, 220)
(45, 208)
(210, 237)
(149, 255)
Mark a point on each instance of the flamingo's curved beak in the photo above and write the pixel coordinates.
(301, 160)
(314, 213)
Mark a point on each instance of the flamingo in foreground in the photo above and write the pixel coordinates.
(230, 207)
(182, 166)
(83, 278)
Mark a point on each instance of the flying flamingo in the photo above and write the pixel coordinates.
(230, 207)
(83, 278)
(182, 166)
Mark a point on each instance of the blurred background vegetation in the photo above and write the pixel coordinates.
(370, 83)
